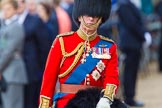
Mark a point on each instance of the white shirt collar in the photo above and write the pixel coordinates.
(22, 17)
(10, 20)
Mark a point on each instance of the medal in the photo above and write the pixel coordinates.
(87, 50)
(96, 75)
(100, 66)
(108, 56)
(101, 53)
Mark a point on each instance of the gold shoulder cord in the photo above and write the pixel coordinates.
(65, 54)
(106, 39)
(65, 34)
(79, 49)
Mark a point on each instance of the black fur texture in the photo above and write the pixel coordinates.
(89, 98)
(93, 8)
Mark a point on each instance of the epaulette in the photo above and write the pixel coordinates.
(65, 34)
(106, 39)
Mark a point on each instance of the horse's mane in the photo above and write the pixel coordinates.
(88, 98)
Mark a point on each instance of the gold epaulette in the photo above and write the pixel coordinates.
(106, 39)
(66, 34)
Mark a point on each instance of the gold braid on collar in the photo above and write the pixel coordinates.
(84, 36)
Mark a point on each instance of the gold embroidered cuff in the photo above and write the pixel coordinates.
(110, 91)
(44, 102)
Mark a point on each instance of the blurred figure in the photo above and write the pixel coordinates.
(0, 101)
(44, 11)
(54, 21)
(68, 5)
(35, 51)
(154, 26)
(11, 63)
(158, 10)
(133, 37)
(32, 6)
(0, 78)
(109, 28)
(63, 18)
(0, 75)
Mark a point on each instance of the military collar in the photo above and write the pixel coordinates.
(84, 36)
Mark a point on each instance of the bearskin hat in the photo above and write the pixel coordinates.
(94, 8)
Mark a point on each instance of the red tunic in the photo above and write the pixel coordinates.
(53, 69)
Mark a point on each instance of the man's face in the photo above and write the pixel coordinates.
(21, 6)
(41, 11)
(89, 21)
(31, 5)
(8, 11)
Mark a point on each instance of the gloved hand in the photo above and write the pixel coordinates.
(103, 103)
(148, 39)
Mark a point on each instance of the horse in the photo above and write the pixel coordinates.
(88, 98)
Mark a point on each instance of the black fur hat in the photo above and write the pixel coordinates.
(94, 8)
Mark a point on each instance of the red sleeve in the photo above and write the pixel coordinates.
(112, 72)
(51, 70)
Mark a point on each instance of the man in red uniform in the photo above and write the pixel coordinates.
(82, 59)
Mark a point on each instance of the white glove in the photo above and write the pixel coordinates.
(103, 103)
(148, 39)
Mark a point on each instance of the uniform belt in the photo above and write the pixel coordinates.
(71, 88)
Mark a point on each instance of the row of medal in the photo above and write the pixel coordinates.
(97, 52)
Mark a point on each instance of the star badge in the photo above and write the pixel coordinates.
(100, 66)
(96, 75)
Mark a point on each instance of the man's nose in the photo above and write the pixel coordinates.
(91, 18)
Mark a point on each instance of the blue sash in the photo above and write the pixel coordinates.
(80, 72)
(56, 97)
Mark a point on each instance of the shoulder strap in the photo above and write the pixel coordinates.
(65, 34)
(106, 39)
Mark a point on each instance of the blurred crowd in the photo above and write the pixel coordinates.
(28, 28)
